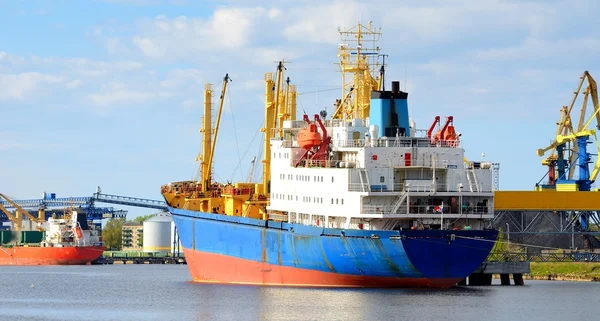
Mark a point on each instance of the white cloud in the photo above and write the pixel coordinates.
(9, 60)
(533, 48)
(59, 79)
(83, 66)
(191, 104)
(74, 84)
(479, 90)
(12, 146)
(183, 78)
(135, 2)
(149, 47)
(319, 23)
(15, 141)
(227, 29)
(115, 46)
(122, 97)
(19, 86)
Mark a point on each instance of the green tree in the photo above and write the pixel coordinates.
(141, 219)
(112, 234)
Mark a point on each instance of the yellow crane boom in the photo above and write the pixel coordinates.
(18, 218)
(207, 176)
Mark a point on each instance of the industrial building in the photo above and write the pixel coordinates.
(132, 236)
(155, 235)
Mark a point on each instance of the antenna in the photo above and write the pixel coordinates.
(405, 79)
(382, 71)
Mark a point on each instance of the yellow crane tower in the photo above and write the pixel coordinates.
(565, 150)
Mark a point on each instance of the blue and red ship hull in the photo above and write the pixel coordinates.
(236, 250)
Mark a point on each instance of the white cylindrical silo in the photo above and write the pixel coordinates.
(157, 234)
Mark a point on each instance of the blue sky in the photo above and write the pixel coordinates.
(110, 92)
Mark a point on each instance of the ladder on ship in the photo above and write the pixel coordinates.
(473, 186)
(390, 224)
(400, 200)
(364, 180)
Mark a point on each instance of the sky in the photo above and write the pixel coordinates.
(109, 92)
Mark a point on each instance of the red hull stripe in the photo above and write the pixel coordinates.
(23, 255)
(215, 268)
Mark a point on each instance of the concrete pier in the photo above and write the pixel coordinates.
(139, 260)
(483, 275)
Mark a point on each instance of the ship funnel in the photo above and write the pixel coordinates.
(395, 87)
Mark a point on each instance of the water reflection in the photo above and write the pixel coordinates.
(163, 292)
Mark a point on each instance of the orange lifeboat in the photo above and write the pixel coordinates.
(309, 137)
(450, 136)
(437, 137)
(78, 232)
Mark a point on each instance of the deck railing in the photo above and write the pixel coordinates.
(426, 186)
(428, 209)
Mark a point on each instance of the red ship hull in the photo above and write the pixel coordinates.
(68, 255)
(222, 269)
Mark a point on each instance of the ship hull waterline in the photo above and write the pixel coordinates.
(67, 255)
(235, 250)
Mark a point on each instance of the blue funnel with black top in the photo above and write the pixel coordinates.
(389, 111)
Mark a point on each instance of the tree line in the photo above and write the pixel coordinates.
(112, 233)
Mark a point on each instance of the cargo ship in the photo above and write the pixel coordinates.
(362, 199)
(67, 240)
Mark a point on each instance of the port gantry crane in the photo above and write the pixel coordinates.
(573, 142)
(566, 204)
(569, 151)
(85, 204)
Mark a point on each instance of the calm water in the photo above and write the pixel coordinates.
(163, 292)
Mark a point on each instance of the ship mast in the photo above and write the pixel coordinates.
(358, 56)
(292, 102)
(206, 137)
(269, 121)
(280, 105)
(208, 144)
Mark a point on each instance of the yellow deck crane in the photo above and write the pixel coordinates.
(17, 218)
(251, 172)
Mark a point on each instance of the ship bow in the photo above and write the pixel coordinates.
(447, 257)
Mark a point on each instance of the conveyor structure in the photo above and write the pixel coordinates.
(50, 204)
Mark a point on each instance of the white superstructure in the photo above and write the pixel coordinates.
(68, 231)
(371, 182)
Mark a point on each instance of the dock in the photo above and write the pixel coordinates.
(138, 258)
(484, 274)
(517, 264)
